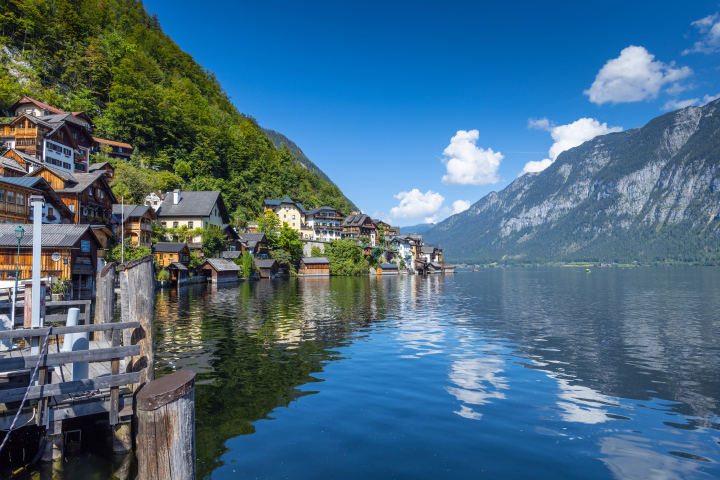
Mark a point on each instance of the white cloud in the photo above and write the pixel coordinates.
(710, 28)
(678, 104)
(460, 206)
(567, 137)
(417, 204)
(540, 124)
(467, 164)
(634, 76)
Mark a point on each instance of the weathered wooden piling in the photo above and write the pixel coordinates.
(105, 300)
(137, 291)
(166, 428)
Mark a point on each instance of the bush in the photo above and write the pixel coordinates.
(164, 275)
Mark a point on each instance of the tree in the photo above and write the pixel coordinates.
(269, 224)
(212, 241)
(345, 258)
(248, 264)
(114, 254)
(283, 257)
(291, 243)
(195, 260)
(316, 252)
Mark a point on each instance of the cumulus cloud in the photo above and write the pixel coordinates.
(567, 137)
(460, 206)
(540, 124)
(709, 27)
(634, 76)
(417, 204)
(677, 104)
(467, 164)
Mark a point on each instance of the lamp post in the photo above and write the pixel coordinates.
(19, 232)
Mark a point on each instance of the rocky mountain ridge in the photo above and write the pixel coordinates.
(648, 194)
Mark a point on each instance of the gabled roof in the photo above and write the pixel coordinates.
(274, 203)
(85, 180)
(169, 247)
(250, 237)
(427, 249)
(40, 104)
(113, 143)
(59, 173)
(179, 266)
(221, 265)
(388, 266)
(34, 119)
(99, 166)
(266, 263)
(52, 235)
(193, 204)
(9, 162)
(355, 220)
(315, 260)
(233, 254)
(322, 209)
(130, 211)
(25, 157)
(227, 228)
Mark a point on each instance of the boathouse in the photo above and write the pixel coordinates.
(166, 253)
(268, 268)
(219, 270)
(387, 269)
(314, 266)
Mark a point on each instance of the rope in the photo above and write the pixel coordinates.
(32, 379)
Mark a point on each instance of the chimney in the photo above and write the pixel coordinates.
(176, 196)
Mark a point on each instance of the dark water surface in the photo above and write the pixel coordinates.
(504, 373)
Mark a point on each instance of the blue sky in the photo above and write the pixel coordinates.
(400, 103)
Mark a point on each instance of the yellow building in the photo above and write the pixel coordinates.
(288, 211)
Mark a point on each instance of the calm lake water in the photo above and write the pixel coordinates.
(504, 373)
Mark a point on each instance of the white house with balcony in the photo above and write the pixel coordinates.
(325, 223)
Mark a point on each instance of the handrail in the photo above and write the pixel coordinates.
(40, 332)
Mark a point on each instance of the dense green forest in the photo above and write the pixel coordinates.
(111, 59)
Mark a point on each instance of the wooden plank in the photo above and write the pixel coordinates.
(42, 380)
(114, 393)
(62, 317)
(74, 386)
(93, 355)
(36, 332)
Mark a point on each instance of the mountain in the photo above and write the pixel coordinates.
(650, 194)
(279, 140)
(112, 60)
(416, 229)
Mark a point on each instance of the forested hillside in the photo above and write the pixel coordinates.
(650, 194)
(111, 59)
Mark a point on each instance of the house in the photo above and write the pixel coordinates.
(154, 200)
(314, 266)
(385, 228)
(33, 107)
(233, 242)
(255, 243)
(431, 253)
(87, 195)
(112, 149)
(104, 166)
(80, 132)
(179, 273)
(387, 269)
(325, 223)
(103, 234)
(54, 210)
(220, 270)
(193, 210)
(287, 210)
(268, 267)
(360, 227)
(76, 246)
(135, 223)
(165, 253)
(18, 164)
(403, 245)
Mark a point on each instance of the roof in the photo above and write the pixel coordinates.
(222, 265)
(130, 211)
(388, 266)
(435, 265)
(179, 266)
(252, 237)
(112, 142)
(266, 263)
(52, 235)
(355, 220)
(22, 181)
(64, 175)
(316, 260)
(275, 203)
(427, 249)
(99, 166)
(62, 117)
(227, 228)
(169, 247)
(42, 185)
(192, 204)
(233, 254)
(83, 182)
(320, 209)
(38, 103)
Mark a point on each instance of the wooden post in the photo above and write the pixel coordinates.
(166, 428)
(137, 303)
(105, 300)
(55, 443)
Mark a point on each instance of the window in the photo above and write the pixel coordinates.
(10, 197)
(102, 194)
(72, 207)
(2, 195)
(74, 135)
(293, 217)
(186, 258)
(164, 224)
(190, 225)
(120, 149)
(51, 212)
(284, 216)
(21, 199)
(175, 224)
(90, 190)
(66, 151)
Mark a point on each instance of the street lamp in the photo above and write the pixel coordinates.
(19, 232)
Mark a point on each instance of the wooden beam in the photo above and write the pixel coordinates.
(96, 355)
(38, 332)
(65, 388)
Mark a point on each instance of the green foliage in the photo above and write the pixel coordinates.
(163, 275)
(248, 264)
(291, 243)
(195, 260)
(316, 252)
(114, 254)
(269, 224)
(346, 258)
(115, 63)
(212, 241)
(158, 233)
(402, 265)
(281, 256)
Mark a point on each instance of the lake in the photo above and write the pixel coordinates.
(503, 373)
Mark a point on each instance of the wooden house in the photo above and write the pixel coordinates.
(220, 270)
(179, 273)
(112, 149)
(14, 206)
(193, 210)
(15, 159)
(387, 269)
(255, 243)
(314, 266)
(88, 195)
(166, 253)
(105, 167)
(233, 242)
(360, 227)
(54, 209)
(76, 245)
(268, 267)
(135, 223)
(386, 229)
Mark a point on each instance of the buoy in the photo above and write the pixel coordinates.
(587, 270)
